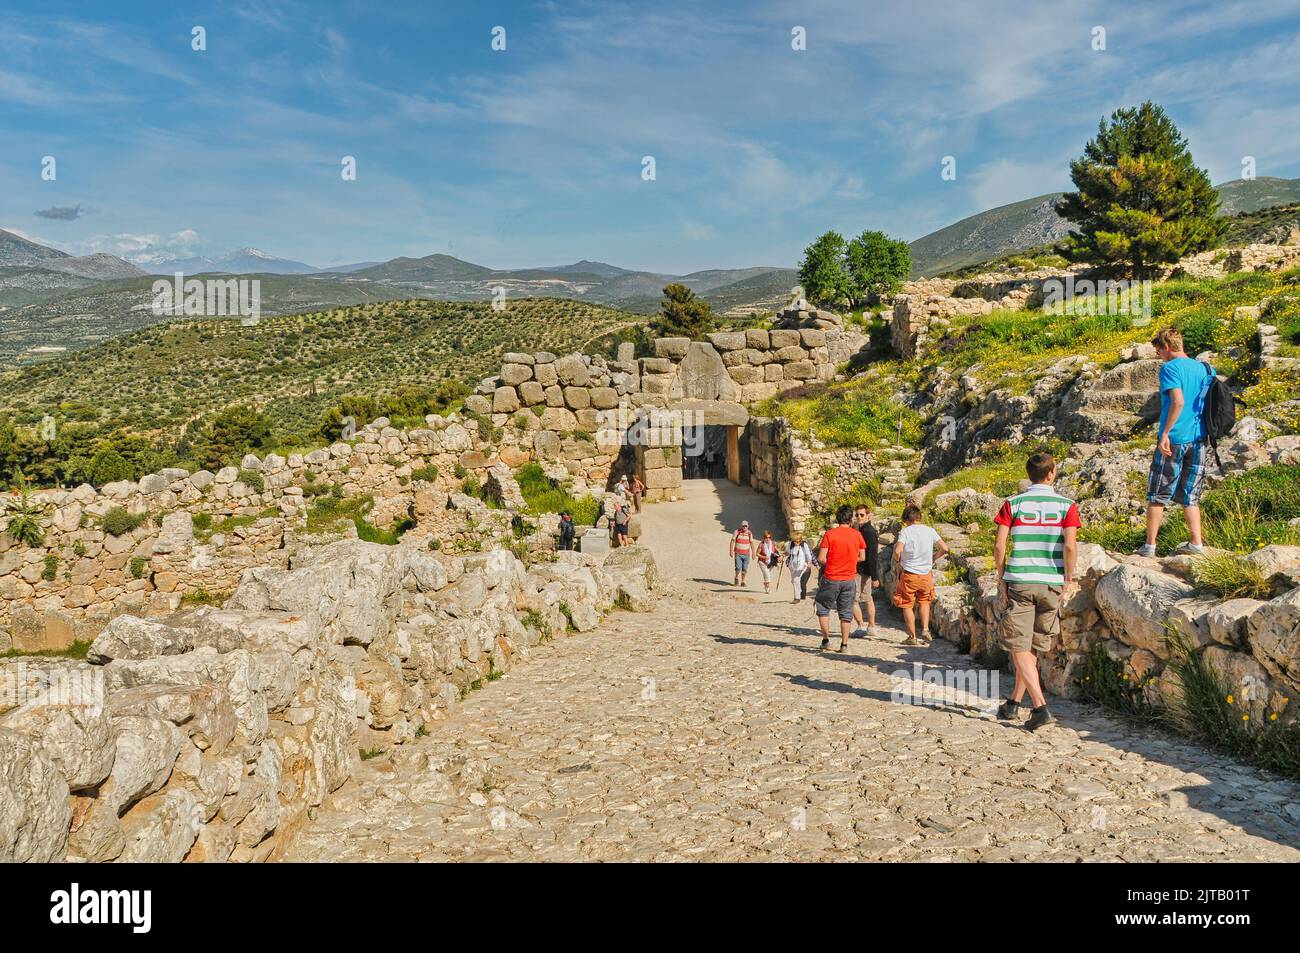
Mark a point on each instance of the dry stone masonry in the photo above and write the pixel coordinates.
(205, 734)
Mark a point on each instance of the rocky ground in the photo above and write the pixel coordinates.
(713, 729)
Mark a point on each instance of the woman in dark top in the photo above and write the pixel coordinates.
(868, 571)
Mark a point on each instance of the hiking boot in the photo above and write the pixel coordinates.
(1146, 549)
(1009, 710)
(1038, 717)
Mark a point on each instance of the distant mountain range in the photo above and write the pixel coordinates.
(1033, 222)
(246, 261)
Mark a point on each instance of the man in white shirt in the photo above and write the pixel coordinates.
(914, 556)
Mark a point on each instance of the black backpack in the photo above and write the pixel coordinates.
(1219, 413)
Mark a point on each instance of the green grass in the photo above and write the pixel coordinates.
(1001, 470)
(857, 413)
(1108, 682)
(77, 650)
(1211, 713)
(544, 495)
(1230, 577)
(328, 510)
(1241, 514)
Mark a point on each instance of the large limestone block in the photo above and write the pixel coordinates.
(703, 376)
(783, 338)
(1135, 602)
(129, 637)
(78, 739)
(505, 400)
(572, 371)
(1273, 631)
(205, 712)
(34, 807)
(545, 374)
(604, 398)
(727, 340)
(237, 672)
(161, 829)
(532, 393)
(577, 398)
(672, 348)
(515, 374)
(559, 419)
(800, 371)
(147, 749)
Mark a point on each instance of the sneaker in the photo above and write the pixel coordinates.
(873, 632)
(1038, 717)
(1192, 549)
(1009, 710)
(1146, 549)
(911, 640)
(826, 643)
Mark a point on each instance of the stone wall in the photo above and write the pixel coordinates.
(206, 735)
(82, 575)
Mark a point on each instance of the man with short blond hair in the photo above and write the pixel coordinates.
(1178, 465)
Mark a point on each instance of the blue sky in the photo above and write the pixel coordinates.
(532, 156)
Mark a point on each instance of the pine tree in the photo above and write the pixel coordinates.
(681, 314)
(1141, 200)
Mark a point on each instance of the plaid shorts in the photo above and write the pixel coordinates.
(1177, 478)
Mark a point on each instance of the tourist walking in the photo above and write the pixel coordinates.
(769, 557)
(868, 570)
(742, 548)
(914, 557)
(799, 559)
(1043, 527)
(839, 552)
(622, 521)
(567, 530)
(638, 492)
(1178, 465)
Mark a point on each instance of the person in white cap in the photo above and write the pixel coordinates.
(742, 547)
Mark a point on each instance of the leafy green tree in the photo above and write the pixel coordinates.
(232, 433)
(108, 466)
(876, 265)
(681, 314)
(1141, 201)
(822, 273)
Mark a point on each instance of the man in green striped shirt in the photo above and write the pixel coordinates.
(1043, 527)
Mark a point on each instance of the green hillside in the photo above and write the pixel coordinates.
(292, 367)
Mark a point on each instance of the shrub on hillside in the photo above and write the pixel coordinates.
(118, 521)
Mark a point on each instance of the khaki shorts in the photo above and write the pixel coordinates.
(1032, 618)
(914, 587)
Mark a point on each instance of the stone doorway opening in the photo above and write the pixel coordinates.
(705, 452)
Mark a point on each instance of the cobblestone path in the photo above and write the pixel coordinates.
(713, 729)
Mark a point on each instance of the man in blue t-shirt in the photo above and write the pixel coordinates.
(1178, 466)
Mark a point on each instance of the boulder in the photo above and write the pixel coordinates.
(161, 829)
(34, 808)
(1134, 601)
(146, 752)
(129, 637)
(78, 739)
(572, 371)
(1273, 631)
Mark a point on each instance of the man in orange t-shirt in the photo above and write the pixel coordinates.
(839, 553)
